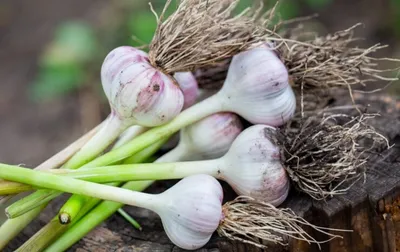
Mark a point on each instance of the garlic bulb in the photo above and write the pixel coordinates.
(189, 87)
(139, 93)
(208, 138)
(191, 210)
(253, 166)
(190, 90)
(259, 76)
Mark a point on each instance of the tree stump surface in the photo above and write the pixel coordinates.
(370, 209)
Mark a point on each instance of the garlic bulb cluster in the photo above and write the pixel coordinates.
(208, 138)
(191, 210)
(139, 93)
(253, 166)
(257, 87)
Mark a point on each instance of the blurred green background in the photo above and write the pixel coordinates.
(77, 44)
(51, 53)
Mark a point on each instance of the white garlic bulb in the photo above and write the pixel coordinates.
(208, 138)
(139, 93)
(191, 210)
(257, 87)
(253, 166)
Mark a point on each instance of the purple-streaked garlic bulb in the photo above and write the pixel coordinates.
(257, 87)
(208, 138)
(139, 93)
(190, 90)
(253, 166)
(191, 210)
(188, 84)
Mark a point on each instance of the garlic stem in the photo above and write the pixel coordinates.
(74, 204)
(9, 187)
(129, 218)
(51, 231)
(71, 185)
(155, 171)
(11, 227)
(104, 137)
(129, 134)
(176, 154)
(55, 161)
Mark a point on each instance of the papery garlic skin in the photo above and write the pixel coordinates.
(190, 90)
(118, 59)
(255, 76)
(139, 93)
(191, 210)
(253, 166)
(210, 137)
(188, 84)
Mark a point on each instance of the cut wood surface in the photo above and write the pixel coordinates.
(370, 209)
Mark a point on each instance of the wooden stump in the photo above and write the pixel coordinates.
(370, 209)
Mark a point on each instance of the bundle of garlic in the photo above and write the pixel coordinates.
(147, 93)
(245, 86)
(253, 166)
(191, 210)
(142, 91)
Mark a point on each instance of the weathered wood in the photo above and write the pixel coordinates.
(370, 209)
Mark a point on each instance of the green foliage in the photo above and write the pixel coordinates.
(288, 9)
(318, 4)
(74, 42)
(395, 11)
(61, 68)
(142, 25)
(56, 81)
